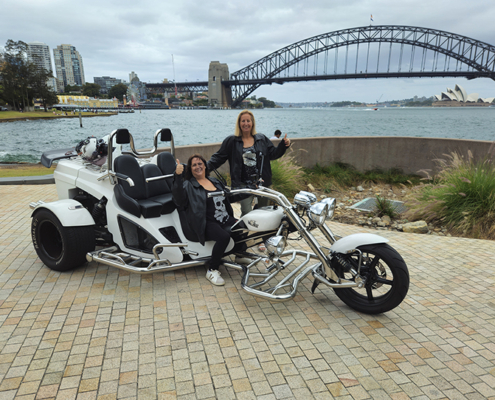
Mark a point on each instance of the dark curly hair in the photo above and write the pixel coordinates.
(188, 172)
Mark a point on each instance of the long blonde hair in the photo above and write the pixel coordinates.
(238, 131)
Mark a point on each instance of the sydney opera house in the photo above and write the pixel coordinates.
(459, 98)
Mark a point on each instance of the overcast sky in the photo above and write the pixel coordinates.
(117, 37)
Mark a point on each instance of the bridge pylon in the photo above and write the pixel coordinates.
(219, 96)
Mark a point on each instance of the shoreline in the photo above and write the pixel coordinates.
(33, 118)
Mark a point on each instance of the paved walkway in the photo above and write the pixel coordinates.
(102, 333)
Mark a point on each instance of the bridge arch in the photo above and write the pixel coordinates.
(472, 58)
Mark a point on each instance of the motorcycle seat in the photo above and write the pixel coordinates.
(167, 165)
(134, 199)
(159, 190)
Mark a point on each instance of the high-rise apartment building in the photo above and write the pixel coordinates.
(132, 76)
(106, 82)
(69, 66)
(39, 54)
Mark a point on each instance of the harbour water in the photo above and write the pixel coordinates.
(26, 140)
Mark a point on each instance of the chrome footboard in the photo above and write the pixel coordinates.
(285, 288)
(113, 257)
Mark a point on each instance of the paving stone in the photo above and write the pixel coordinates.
(102, 333)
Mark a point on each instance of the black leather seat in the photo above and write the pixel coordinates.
(167, 165)
(134, 199)
(158, 190)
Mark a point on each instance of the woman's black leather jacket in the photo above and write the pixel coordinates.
(231, 150)
(190, 199)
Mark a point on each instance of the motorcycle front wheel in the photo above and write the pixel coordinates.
(386, 279)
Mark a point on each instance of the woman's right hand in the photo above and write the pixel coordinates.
(180, 168)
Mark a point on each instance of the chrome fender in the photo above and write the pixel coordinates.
(350, 242)
(69, 212)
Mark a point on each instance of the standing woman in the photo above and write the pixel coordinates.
(243, 150)
(207, 218)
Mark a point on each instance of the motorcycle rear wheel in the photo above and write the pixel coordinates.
(386, 276)
(60, 248)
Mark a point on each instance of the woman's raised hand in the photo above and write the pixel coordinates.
(180, 168)
(286, 141)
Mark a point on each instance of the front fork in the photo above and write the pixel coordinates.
(313, 244)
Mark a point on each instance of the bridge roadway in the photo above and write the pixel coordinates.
(99, 332)
(203, 86)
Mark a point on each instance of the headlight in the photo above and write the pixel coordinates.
(330, 201)
(275, 245)
(318, 213)
(304, 199)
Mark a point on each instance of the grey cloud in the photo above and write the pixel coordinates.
(116, 37)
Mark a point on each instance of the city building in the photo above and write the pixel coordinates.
(106, 83)
(459, 98)
(69, 66)
(39, 54)
(133, 76)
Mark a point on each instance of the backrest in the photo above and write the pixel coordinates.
(167, 165)
(129, 166)
(154, 188)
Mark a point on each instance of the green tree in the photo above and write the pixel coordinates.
(41, 90)
(201, 102)
(16, 73)
(91, 89)
(118, 91)
(346, 103)
(267, 103)
(22, 80)
(72, 89)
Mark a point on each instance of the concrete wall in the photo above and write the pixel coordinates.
(407, 153)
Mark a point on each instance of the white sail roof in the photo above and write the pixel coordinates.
(459, 94)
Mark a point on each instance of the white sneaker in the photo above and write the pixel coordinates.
(213, 275)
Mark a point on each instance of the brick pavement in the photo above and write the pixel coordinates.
(102, 333)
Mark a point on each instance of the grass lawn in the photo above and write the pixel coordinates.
(15, 170)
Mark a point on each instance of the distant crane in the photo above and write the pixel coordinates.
(379, 99)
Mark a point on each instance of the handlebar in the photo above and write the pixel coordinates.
(214, 194)
(271, 194)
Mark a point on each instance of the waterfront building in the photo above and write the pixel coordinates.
(85, 102)
(106, 83)
(39, 54)
(69, 66)
(459, 98)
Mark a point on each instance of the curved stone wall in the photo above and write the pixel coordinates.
(410, 154)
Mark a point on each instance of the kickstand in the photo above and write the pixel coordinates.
(316, 282)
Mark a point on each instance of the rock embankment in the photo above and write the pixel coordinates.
(347, 198)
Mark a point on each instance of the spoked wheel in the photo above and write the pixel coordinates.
(60, 248)
(386, 280)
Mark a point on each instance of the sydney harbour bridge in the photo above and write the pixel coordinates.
(368, 52)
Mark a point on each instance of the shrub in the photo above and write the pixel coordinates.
(393, 176)
(462, 196)
(287, 176)
(342, 174)
(385, 207)
(339, 175)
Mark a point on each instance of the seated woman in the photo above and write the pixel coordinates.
(209, 218)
